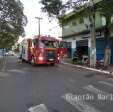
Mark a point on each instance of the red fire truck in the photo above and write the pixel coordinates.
(40, 50)
(62, 49)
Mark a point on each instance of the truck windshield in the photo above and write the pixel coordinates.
(63, 44)
(48, 44)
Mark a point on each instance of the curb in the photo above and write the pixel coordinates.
(87, 68)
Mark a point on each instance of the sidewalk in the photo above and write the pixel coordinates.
(68, 61)
(2, 63)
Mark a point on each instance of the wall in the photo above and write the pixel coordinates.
(75, 25)
(100, 47)
(112, 51)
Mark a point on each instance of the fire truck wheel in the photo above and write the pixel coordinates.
(33, 61)
(52, 64)
(23, 60)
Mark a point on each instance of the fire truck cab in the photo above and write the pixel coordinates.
(40, 50)
(62, 49)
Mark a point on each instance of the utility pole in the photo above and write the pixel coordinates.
(38, 24)
(92, 36)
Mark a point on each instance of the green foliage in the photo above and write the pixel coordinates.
(56, 8)
(105, 7)
(12, 21)
(52, 7)
(80, 8)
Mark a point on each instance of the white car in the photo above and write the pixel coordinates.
(10, 53)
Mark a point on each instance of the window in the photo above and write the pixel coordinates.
(66, 27)
(35, 42)
(103, 21)
(74, 23)
(48, 44)
(111, 19)
(81, 20)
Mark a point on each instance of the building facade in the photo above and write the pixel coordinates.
(75, 31)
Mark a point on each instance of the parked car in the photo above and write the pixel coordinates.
(10, 53)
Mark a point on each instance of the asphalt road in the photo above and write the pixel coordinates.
(60, 88)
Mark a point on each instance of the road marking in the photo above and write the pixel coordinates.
(38, 108)
(106, 83)
(93, 89)
(4, 75)
(111, 79)
(16, 70)
(71, 80)
(82, 106)
(101, 95)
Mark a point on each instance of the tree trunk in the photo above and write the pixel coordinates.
(93, 40)
(107, 53)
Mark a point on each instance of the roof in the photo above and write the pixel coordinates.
(78, 11)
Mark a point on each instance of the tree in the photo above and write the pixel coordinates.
(52, 7)
(106, 9)
(12, 21)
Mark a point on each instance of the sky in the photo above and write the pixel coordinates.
(32, 9)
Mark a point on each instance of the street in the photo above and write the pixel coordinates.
(61, 88)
